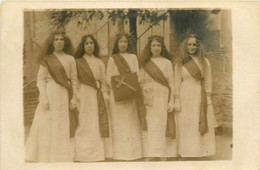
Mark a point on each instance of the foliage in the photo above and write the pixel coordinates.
(60, 18)
(145, 15)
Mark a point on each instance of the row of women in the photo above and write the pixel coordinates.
(173, 119)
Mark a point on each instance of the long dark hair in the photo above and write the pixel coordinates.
(118, 37)
(147, 54)
(81, 51)
(48, 45)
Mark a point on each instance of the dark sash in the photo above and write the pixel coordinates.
(195, 72)
(124, 68)
(85, 76)
(59, 75)
(156, 74)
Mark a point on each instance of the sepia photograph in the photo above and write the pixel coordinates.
(143, 84)
(130, 85)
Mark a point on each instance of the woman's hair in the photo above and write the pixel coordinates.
(200, 51)
(49, 48)
(81, 51)
(118, 37)
(183, 53)
(147, 54)
(197, 43)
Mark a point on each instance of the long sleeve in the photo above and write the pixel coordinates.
(42, 82)
(177, 78)
(110, 70)
(77, 92)
(171, 80)
(73, 76)
(136, 68)
(102, 70)
(208, 77)
(141, 77)
(136, 65)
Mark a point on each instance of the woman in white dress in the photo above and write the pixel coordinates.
(194, 112)
(49, 138)
(126, 129)
(92, 139)
(156, 77)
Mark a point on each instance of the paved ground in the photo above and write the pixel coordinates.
(223, 151)
(224, 148)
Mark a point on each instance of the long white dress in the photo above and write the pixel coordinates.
(126, 130)
(49, 138)
(155, 143)
(190, 142)
(89, 146)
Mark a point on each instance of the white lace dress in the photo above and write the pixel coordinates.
(126, 131)
(89, 146)
(190, 142)
(155, 143)
(49, 138)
